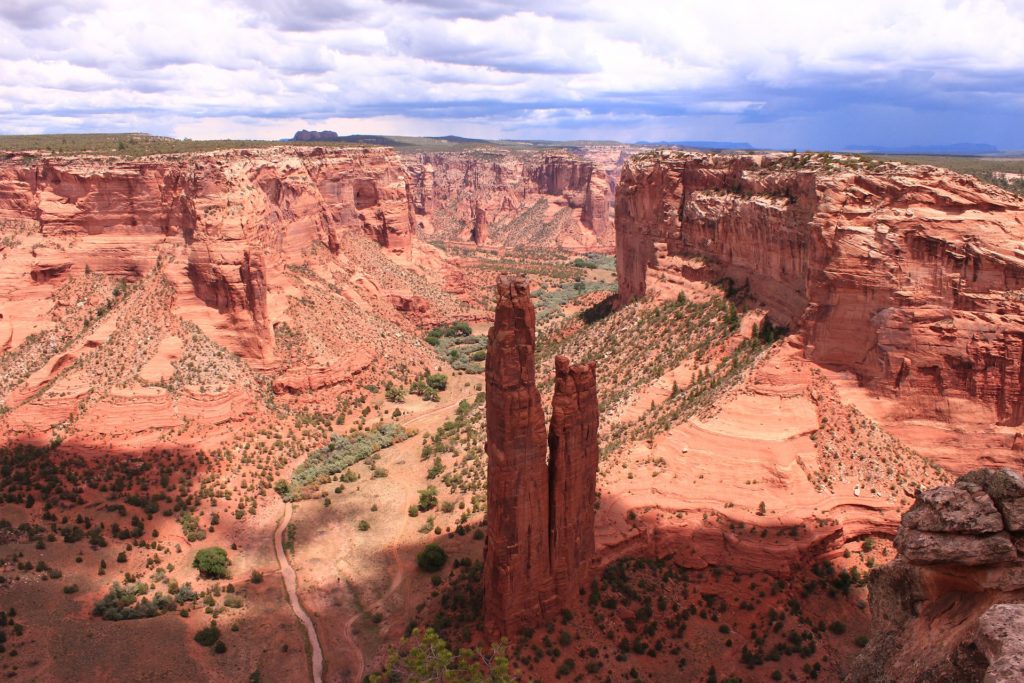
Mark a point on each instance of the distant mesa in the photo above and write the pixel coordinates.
(700, 144)
(383, 140)
(956, 149)
(316, 136)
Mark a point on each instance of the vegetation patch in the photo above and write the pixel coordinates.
(337, 456)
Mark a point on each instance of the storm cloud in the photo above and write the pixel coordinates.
(787, 74)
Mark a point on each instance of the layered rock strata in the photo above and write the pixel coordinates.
(233, 216)
(540, 516)
(553, 199)
(951, 606)
(910, 276)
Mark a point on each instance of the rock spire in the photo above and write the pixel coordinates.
(540, 516)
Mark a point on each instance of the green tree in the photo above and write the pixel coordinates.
(425, 657)
(432, 558)
(437, 381)
(209, 635)
(212, 562)
(428, 499)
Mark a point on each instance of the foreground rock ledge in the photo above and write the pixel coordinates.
(951, 606)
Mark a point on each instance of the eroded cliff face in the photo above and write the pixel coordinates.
(910, 276)
(229, 217)
(180, 289)
(540, 517)
(510, 199)
(950, 606)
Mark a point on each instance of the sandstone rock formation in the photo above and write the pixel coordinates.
(907, 275)
(517, 565)
(540, 517)
(315, 135)
(949, 607)
(507, 198)
(234, 214)
(572, 443)
(187, 280)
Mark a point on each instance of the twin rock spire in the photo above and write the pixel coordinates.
(540, 509)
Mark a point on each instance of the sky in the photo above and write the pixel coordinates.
(803, 74)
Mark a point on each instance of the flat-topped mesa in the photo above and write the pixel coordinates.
(517, 579)
(572, 443)
(540, 517)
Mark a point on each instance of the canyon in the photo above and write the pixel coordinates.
(773, 389)
(557, 199)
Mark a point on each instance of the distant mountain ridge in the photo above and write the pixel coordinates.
(700, 144)
(956, 148)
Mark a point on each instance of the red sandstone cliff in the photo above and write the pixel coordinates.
(186, 285)
(572, 443)
(518, 584)
(233, 215)
(908, 276)
(554, 199)
(540, 517)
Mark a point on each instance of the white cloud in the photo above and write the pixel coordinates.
(484, 67)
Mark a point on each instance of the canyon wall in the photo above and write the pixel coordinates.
(228, 216)
(910, 276)
(537, 199)
(540, 516)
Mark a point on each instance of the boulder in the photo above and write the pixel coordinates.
(926, 547)
(1001, 639)
(964, 508)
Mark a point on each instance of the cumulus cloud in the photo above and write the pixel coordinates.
(791, 73)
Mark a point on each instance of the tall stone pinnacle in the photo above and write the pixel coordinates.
(540, 517)
(572, 441)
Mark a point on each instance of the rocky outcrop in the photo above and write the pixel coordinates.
(507, 198)
(480, 224)
(572, 444)
(907, 275)
(540, 518)
(949, 607)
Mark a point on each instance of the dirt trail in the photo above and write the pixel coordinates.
(290, 585)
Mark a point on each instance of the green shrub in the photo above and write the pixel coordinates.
(209, 635)
(431, 558)
(340, 454)
(363, 525)
(212, 563)
(129, 601)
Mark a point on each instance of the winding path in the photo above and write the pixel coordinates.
(290, 585)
